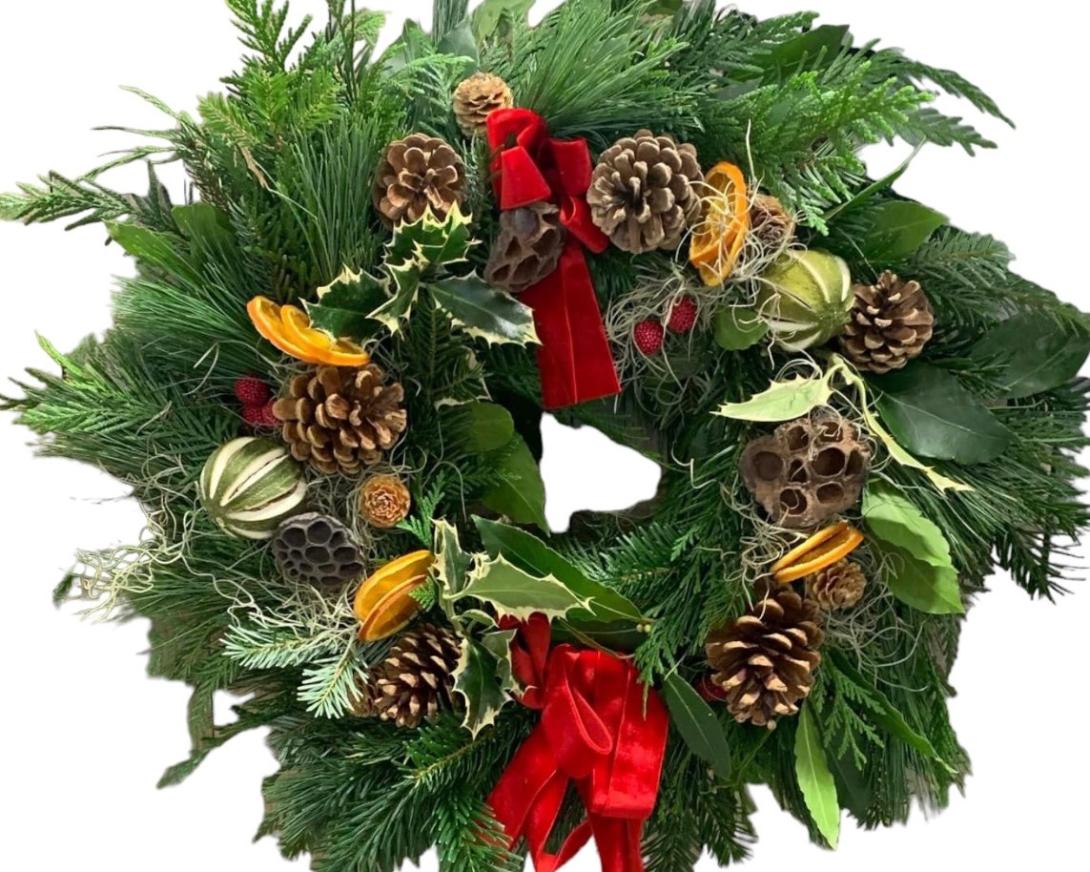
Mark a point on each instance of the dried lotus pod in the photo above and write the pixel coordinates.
(807, 471)
(317, 549)
(527, 249)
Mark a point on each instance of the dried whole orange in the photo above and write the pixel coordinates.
(718, 241)
(819, 552)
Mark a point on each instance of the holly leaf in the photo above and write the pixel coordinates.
(483, 678)
(479, 427)
(737, 328)
(452, 564)
(345, 305)
(697, 724)
(520, 493)
(815, 780)
(784, 401)
(430, 243)
(485, 312)
(512, 591)
(1036, 354)
(895, 519)
(530, 554)
(933, 415)
(898, 229)
(396, 309)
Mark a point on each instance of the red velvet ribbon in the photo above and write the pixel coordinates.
(531, 167)
(601, 729)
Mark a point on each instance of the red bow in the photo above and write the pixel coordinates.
(599, 728)
(530, 167)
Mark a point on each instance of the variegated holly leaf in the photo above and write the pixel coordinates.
(485, 312)
(511, 591)
(396, 309)
(431, 244)
(452, 564)
(344, 306)
(484, 678)
(784, 401)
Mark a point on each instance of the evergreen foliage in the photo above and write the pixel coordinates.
(282, 165)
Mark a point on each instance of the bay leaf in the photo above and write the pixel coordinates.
(933, 415)
(520, 494)
(815, 780)
(897, 229)
(924, 586)
(697, 723)
(1036, 353)
(479, 427)
(895, 519)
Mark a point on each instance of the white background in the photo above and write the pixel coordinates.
(84, 734)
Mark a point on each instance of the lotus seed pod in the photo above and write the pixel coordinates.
(806, 298)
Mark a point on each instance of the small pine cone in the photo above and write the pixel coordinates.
(771, 225)
(527, 249)
(644, 193)
(476, 98)
(384, 501)
(891, 323)
(841, 586)
(764, 662)
(341, 419)
(418, 173)
(415, 681)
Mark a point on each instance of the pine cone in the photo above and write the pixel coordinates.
(415, 680)
(770, 224)
(527, 249)
(384, 501)
(644, 192)
(341, 419)
(891, 323)
(764, 662)
(476, 98)
(317, 549)
(418, 173)
(841, 586)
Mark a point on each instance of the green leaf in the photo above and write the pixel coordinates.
(531, 555)
(489, 16)
(485, 312)
(875, 187)
(894, 519)
(520, 494)
(512, 591)
(1036, 353)
(933, 415)
(697, 724)
(898, 229)
(156, 249)
(815, 779)
(822, 44)
(737, 328)
(345, 305)
(205, 223)
(483, 678)
(784, 401)
(924, 586)
(479, 427)
(460, 42)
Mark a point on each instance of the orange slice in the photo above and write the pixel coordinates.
(267, 319)
(322, 346)
(718, 241)
(821, 550)
(384, 604)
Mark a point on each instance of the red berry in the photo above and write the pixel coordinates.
(268, 418)
(252, 391)
(254, 416)
(682, 316)
(649, 336)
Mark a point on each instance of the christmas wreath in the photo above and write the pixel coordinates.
(325, 381)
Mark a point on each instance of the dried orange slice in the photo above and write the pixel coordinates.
(717, 244)
(267, 319)
(384, 603)
(821, 550)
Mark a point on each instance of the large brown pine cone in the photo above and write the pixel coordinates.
(764, 662)
(418, 173)
(478, 97)
(415, 681)
(341, 419)
(891, 323)
(527, 249)
(644, 193)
